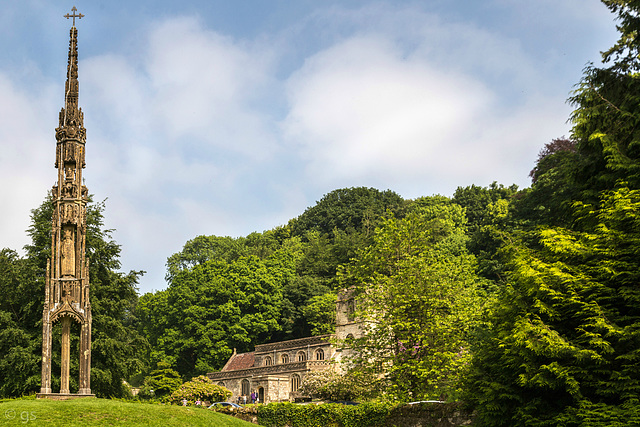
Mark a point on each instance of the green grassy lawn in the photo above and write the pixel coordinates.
(105, 412)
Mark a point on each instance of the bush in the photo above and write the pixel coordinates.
(330, 385)
(161, 382)
(366, 415)
(200, 388)
(314, 383)
(326, 415)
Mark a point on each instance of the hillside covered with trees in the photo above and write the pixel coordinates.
(524, 303)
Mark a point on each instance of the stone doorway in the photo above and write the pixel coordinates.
(261, 395)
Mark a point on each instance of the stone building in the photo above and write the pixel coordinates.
(275, 371)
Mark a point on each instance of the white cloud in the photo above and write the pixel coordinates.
(26, 154)
(420, 116)
(357, 108)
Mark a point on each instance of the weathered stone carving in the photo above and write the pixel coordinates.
(67, 281)
(68, 253)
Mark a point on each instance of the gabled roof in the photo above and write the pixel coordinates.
(240, 361)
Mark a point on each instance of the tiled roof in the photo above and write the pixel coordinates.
(240, 361)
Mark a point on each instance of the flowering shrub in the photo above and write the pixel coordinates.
(200, 388)
(314, 383)
(351, 385)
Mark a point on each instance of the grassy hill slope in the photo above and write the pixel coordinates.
(105, 412)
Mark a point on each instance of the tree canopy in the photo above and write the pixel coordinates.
(418, 297)
(561, 346)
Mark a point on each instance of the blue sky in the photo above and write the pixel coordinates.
(224, 118)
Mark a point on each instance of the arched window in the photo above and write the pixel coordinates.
(221, 383)
(319, 354)
(295, 382)
(302, 356)
(268, 361)
(245, 388)
(285, 358)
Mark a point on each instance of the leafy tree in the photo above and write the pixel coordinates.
(624, 53)
(20, 330)
(418, 297)
(555, 185)
(552, 156)
(476, 200)
(356, 208)
(490, 219)
(201, 249)
(320, 313)
(200, 388)
(162, 381)
(214, 307)
(563, 346)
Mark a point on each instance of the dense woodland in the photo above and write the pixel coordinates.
(524, 303)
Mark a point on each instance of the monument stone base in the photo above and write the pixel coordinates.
(62, 396)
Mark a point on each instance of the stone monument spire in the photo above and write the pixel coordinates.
(67, 281)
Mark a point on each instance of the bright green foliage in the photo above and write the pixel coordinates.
(476, 200)
(418, 296)
(320, 313)
(163, 381)
(488, 213)
(564, 345)
(202, 249)
(324, 237)
(214, 307)
(345, 209)
(200, 388)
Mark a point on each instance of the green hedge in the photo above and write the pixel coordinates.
(325, 415)
(364, 415)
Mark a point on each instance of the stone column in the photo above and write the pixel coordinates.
(45, 386)
(66, 341)
(85, 359)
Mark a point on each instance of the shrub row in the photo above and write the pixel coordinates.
(364, 415)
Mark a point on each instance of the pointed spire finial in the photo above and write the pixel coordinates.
(71, 117)
(74, 16)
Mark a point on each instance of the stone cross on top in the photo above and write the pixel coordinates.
(74, 16)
